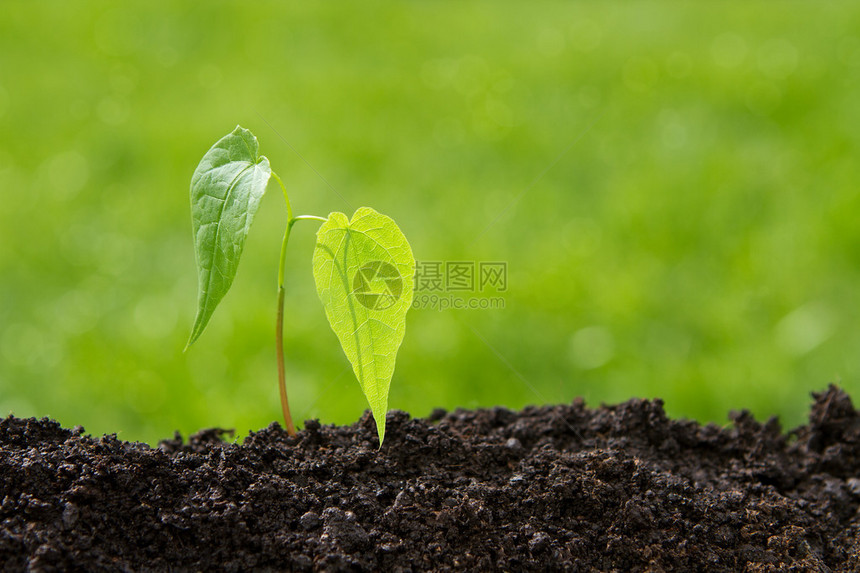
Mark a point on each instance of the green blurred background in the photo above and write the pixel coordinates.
(673, 187)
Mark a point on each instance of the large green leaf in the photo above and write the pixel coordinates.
(226, 189)
(364, 271)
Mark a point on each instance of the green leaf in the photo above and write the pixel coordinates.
(364, 272)
(226, 189)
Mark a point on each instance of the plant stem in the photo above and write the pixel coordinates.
(286, 198)
(279, 327)
(279, 340)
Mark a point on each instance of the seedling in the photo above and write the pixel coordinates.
(363, 267)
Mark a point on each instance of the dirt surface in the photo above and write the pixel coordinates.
(552, 488)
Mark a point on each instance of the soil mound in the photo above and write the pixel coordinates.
(544, 489)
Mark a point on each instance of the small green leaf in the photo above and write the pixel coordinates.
(226, 189)
(364, 272)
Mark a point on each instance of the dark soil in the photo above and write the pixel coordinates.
(553, 488)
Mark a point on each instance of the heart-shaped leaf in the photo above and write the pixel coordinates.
(364, 272)
(226, 189)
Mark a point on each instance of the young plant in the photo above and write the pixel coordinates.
(363, 267)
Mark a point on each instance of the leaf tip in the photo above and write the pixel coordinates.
(191, 340)
(380, 429)
(200, 321)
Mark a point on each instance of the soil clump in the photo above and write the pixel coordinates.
(556, 488)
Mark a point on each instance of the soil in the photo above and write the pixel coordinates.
(544, 489)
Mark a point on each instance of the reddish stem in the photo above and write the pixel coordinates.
(282, 378)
